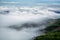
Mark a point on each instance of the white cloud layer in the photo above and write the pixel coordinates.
(21, 15)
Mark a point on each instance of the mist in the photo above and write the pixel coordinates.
(24, 23)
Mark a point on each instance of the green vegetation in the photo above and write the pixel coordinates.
(52, 32)
(49, 36)
(53, 26)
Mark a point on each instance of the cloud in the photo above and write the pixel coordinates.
(16, 17)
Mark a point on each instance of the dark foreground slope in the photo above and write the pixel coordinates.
(52, 32)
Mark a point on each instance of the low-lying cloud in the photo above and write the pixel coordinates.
(24, 18)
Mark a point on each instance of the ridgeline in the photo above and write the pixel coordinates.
(52, 32)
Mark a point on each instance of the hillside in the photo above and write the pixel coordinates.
(52, 32)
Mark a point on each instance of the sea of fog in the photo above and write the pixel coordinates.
(25, 23)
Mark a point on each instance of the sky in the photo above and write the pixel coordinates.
(30, 2)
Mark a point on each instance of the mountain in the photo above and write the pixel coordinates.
(52, 32)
